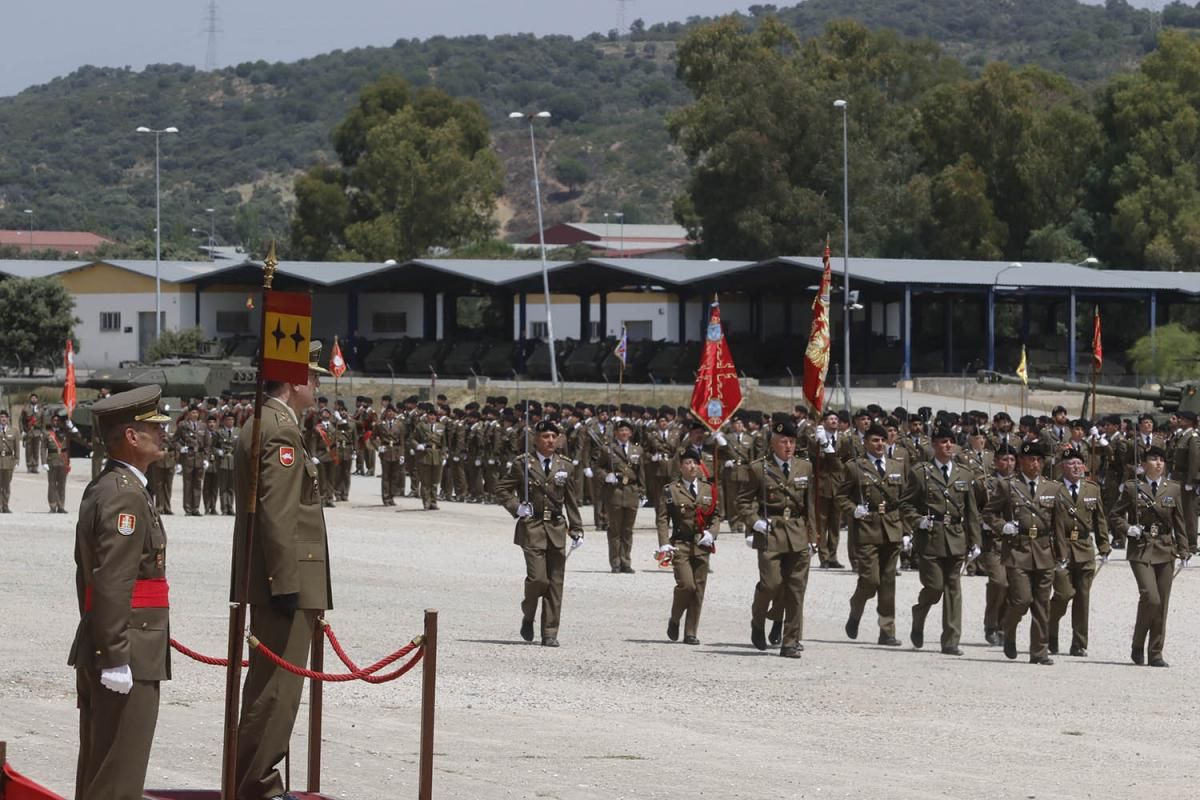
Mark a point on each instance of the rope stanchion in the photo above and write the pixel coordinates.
(203, 659)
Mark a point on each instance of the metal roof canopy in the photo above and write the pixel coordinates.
(613, 274)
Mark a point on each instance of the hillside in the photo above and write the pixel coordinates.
(71, 152)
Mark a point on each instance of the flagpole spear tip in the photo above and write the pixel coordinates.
(270, 264)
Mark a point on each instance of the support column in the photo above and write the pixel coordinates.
(1071, 336)
(429, 315)
(1154, 331)
(603, 316)
(197, 293)
(787, 316)
(585, 315)
(947, 334)
(907, 373)
(522, 317)
(681, 299)
(1025, 321)
(991, 328)
(352, 312)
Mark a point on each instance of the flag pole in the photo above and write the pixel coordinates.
(237, 609)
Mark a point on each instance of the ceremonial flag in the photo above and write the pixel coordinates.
(337, 364)
(288, 329)
(1023, 369)
(816, 355)
(1097, 347)
(68, 393)
(717, 393)
(621, 351)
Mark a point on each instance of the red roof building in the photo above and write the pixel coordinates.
(69, 242)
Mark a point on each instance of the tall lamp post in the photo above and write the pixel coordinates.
(537, 193)
(157, 226)
(29, 211)
(845, 247)
(211, 231)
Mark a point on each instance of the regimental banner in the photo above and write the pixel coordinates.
(816, 355)
(337, 363)
(1097, 345)
(68, 392)
(287, 332)
(717, 393)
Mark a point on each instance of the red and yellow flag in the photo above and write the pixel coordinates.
(717, 393)
(1097, 347)
(288, 329)
(337, 364)
(816, 355)
(68, 394)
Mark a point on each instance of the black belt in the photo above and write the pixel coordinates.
(784, 513)
(946, 519)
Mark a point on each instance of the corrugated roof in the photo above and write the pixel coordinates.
(33, 268)
(614, 229)
(496, 273)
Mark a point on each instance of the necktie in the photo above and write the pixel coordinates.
(692, 488)
(786, 469)
(879, 466)
(624, 452)
(1147, 441)
(1033, 488)
(891, 450)
(546, 465)
(1154, 488)
(1074, 493)
(946, 472)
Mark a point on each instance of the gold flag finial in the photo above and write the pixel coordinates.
(270, 263)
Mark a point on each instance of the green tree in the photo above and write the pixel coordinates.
(1173, 355)
(173, 343)
(36, 320)
(572, 172)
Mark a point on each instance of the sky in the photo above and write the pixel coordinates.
(45, 40)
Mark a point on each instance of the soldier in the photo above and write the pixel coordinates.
(823, 446)
(121, 651)
(1004, 460)
(58, 459)
(1149, 512)
(735, 455)
(388, 439)
(33, 430)
(919, 447)
(210, 489)
(364, 447)
(10, 454)
(192, 445)
(684, 518)
(869, 496)
(1186, 471)
(1081, 526)
(457, 453)
(621, 468)
(224, 443)
(162, 477)
(344, 440)
(1002, 434)
(1022, 511)
(286, 582)
(661, 446)
(939, 504)
(539, 491)
(323, 451)
(780, 504)
(429, 441)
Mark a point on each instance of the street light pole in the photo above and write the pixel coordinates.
(157, 227)
(537, 192)
(29, 211)
(211, 228)
(845, 248)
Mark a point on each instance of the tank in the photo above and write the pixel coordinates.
(1168, 399)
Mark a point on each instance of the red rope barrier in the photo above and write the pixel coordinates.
(203, 659)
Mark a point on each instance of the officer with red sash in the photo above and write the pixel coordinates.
(122, 645)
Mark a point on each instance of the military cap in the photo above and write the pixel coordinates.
(229, 414)
(61, 413)
(1032, 449)
(314, 358)
(1153, 452)
(1071, 455)
(1112, 419)
(1190, 416)
(1059, 409)
(502, 400)
(900, 412)
(844, 416)
(862, 412)
(1005, 450)
(784, 427)
(135, 405)
(3, 412)
(623, 423)
(876, 430)
(925, 412)
(546, 426)
(508, 413)
(690, 454)
(322, 399)
(1144, 417)
(1028, 421)
(696, 425)
(1002, 416)
(942, 433)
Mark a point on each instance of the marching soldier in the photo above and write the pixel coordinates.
(736, 455)
(58, 459)
(344, 440)
(224, 443)
(1081, 526)
(191, 445)
(1186, 471)
(1004, 460)
(1149, 512)
(539, 491)
(685, 518)
(323, 451)
(779, 503)
(869, 496)
(10, 454)
(620, 467)
(939, 504)
(288, 583)
(823, 446)
(661, 446)
(599, 435)
(364, 448)
(388, 438)
(33, 431)
(121, 651)
(429, 441)
(1022, 512)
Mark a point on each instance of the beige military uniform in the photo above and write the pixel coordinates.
(678, 519)
(33, 431)
(428, 440)
(225, 442)
(388, 437)
(622, 499)
(735, 457)
(877, 536)
(1081, 527)
(191, 445)
(10, 454)
(58, 463)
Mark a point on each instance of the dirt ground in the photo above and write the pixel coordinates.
(617, 711)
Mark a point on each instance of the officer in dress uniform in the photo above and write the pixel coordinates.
(121, 650)
(823, 446)
(779, 503)
(211, 487)
(162, 474)
(225, 441)
(58, 459)
(620, 466)
(97, 442)
(388, 438)
(735, 456)
(539, 490)
(939, 505)
(686, 518)
(288, 583)
(1081, 525)
(191, 444)
(1004, 460)
(1149, 512)
(10, 454)
(869, 497)
(1186, 471)
(428, 442)
(33, 431)
(1022, 513)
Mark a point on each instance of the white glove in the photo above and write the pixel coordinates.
(610, 478)
(45, 467)
(179, 469)
(587, 472)
(1103, 441)
(1094, 432)
(1009, 529)
(1103, 558)
(656, 457)
(491, 461)
(185, 449)
(973, 553)
(204, 463)
(117, 679)
(728, 463)
(706, 540)
(812, 549)
(1184, 562)
(663, 550)
(316, 461)
(458, 458)
(71, 427)
(861, 511)
(221, 453)
(574, 461)
(400, 460)
(721, 440)
(761, 526)
(576, 543)
(1134, 532)
(822, 436)
(906, 542)
(382, 450)
(1061, 566)
(828, 447)
(420, 447)
(444, 462)
(479, 462)
(524, 511)
(925, 524)
(750, 542)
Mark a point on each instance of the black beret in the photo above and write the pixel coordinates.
(623, 423)
(1028, 421)
(942, 433)
(784, 427)
(690, 453)
(1005, 450)
(1002, 416)
(877, 430)
(546, 426)
(1070, 455)
(1153, 452)
(1112, 419)
(1058, 409)
(862, 412)
(1190, 416)
(1032, 449)
(696, 425)
(1145, 417)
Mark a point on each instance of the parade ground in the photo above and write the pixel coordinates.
(617, 711)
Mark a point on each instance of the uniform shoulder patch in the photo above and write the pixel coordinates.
(287, 456)
(126, 523)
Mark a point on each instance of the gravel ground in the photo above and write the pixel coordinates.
(617, 711)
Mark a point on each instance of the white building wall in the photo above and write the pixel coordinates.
(212, 302)
(331, 317)
(108, 349)
(408, 302)
(655, 309)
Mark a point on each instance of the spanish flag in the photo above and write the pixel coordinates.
(287, 329)
(1023, 369)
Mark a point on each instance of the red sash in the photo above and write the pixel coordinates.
(147, 593)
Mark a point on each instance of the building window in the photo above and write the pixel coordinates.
(639, 330)
(110, 321)
(233, 322)
(390, 322)
(538, 330)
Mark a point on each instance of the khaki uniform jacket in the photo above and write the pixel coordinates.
(1082, 525)
(851, 445)
(787, 504)
(10, 448)
(1185, 465)
(321, 441)
(1053, 439)
(862, 484)
(433, 436)
(1034, 547)
(739, 448)
(950, 505)
(996, 440)
(58, 445)
(661, 452)
(554, 497)
(979, 462)
(919, 447)
(675, 517)
(224, 441)
(1160, 516)
(191, 444)
(34, 421)
(290, 548)
(831, 466)
(388, 436)
(119, 539)
(629, 468)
